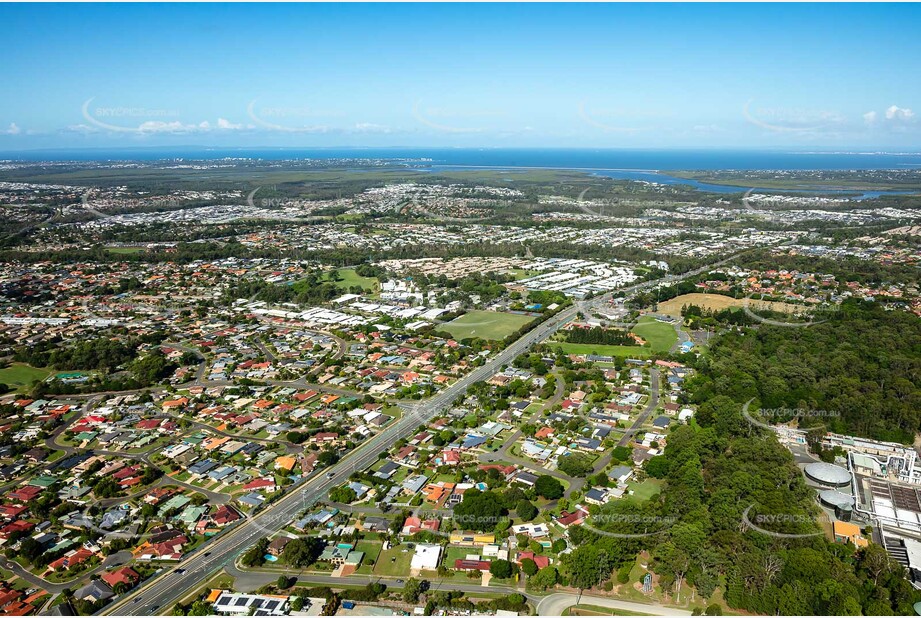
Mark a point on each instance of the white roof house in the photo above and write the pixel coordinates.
(427, 557)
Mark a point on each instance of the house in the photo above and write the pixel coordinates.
(621, 474)
(526, 478)
(277, 546)
(24, 494)
(413, 484)
(285, 462)
(239, 604)
(473, 441)
(71, 559)
(535, 531)
(450, 457)
(336, 554)
(387, 470)
(540, 560)
(426, 557)
(472, 539)
(596, 496)
(471, 565)
(94, 591)
(175, 403)
(375, 524)
(413, 524)
(224, 515)
(572, 519)
(846, 532)
(264, 483)
(125, 576)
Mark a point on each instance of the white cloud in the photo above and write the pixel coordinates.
(869, 117)
(707, 128)
(12, 130)
(85, 129)
(370, 127)
(894, 112)
(224, 124)
(158, 126)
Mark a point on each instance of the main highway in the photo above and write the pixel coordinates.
(160, 593)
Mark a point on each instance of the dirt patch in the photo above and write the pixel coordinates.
(718, 302)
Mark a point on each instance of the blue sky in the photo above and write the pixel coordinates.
(588, 75)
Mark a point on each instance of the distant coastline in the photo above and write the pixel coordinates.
(595, 159)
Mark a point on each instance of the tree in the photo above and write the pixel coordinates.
(529, 567)
(503, 569)
(256, 554)
(480, 510)
(545, 579)
(343, 494)
(302, 552)
(526, 510)
(328, 457)
(200, 608)
(548, 487)
(588, 566)
(657, 467)
(574, 464)
(412, 590)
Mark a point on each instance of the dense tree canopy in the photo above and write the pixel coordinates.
(857, 373)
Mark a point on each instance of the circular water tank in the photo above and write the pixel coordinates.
(836, 499)
(828, 474)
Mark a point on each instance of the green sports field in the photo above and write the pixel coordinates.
(351, 278)
(660, 336)
(19, 376)
(485, 325)
(625, 351)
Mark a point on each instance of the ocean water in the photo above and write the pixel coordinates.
(609, 160)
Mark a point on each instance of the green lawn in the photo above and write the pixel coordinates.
(124, 250)
(394, 562)
(372, 551)
(457, 553)
(660, 336)
(627, 351)
(645, 490)
(350, 278)
(485, 325)
(20, 375)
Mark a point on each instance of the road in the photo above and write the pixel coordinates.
(551, 605)
(116, 559)
(161, 593)
(649, 409)
(554, 604)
